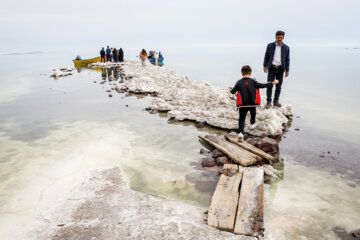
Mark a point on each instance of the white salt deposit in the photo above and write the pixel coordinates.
(62, 72)
(100, 205)
(186, 99)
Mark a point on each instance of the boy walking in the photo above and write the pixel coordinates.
(248, 97)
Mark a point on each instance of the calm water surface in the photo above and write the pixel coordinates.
(50, 129)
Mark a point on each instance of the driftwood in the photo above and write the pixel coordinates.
(230, 169)
(250, 148)
(234, 152)
(250, 213)
(224, 202)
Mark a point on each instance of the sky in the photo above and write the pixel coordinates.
(46, 25)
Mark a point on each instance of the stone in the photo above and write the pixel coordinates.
(208, 162)
(110, 95)
(356, 233)
(202, 151)
(217, 153)
(153, 111)
(253, 141)
(220, 161)
(200, 124)
(268, 145)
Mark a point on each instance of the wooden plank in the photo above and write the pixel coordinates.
(250, 214)
(230, 169)
(234, 152)
(224, 202)
(250, 148)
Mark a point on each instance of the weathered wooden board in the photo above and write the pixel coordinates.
(250, 213)
(224, 202)
(234, 152)
(250, 148)
(230, 169)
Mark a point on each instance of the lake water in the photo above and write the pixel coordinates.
(51, 129)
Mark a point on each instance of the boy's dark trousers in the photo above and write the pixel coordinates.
(242, 116)
(108, 58)
(102, 57)
(274, 73)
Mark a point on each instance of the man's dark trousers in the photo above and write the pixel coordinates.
(108, 58)
(275, 73)
(102, 57)
(242, 116)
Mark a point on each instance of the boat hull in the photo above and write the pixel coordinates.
(86, 62)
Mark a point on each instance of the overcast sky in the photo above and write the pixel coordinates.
(48, 25)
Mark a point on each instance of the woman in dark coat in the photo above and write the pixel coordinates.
(115, 54)
(121, 55)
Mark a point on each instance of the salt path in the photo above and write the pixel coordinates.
(186, 99)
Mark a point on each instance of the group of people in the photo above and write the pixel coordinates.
(276, 62)
(152, 55)
(112, 55)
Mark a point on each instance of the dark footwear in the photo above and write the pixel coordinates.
(268, 105)
(277, 104)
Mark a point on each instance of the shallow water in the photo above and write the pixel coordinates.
(50, 129)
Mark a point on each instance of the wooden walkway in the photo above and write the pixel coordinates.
(238, 201)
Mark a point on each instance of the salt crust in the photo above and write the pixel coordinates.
(186, 99)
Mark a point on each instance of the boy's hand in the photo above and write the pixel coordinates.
(265, 69)
(275, 82)
(286, 74)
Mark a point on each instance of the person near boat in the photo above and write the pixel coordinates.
(276, 62)
(121, 55)
(108, 54)
(248, 97)
(102, 54)
(143, 57)
(115, 55)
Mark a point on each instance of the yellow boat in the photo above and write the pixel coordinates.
(85, 62)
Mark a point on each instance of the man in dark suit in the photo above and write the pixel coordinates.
(276, 62)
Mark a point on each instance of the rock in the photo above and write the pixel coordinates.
(126, 105)
(220, 161)
(356, 233)
(202, 151)
(102, 82)
(217, 153)
(268, 145)
(200, 124)
(153, 111)
(246, 136)
(110, 95)
(108, 90)
(297, 129)
(206, 186)
(253, 141)
(208, 162)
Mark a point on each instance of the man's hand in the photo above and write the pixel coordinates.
(286, 74)
(275, 82)
(265, 69)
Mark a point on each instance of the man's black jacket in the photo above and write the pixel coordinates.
(248, 92)
(102, 53)
(285, 56)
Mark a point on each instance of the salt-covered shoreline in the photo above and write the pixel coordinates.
(100, 205)
(185, 99)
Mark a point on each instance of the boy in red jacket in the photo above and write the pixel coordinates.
(248, 97)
